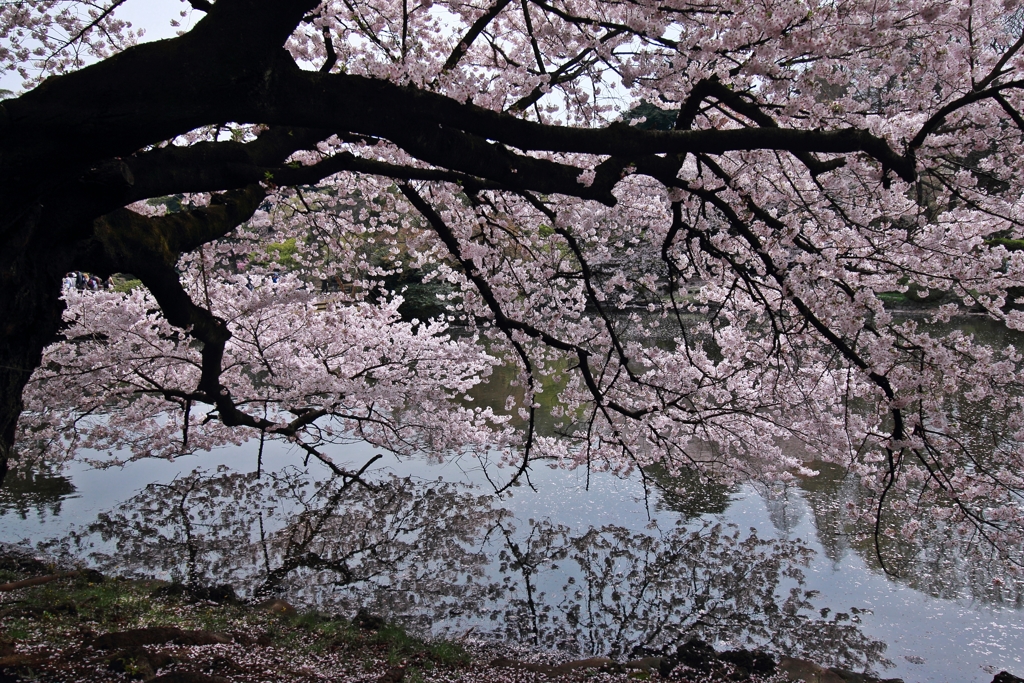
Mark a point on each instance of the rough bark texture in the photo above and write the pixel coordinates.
(30, 313)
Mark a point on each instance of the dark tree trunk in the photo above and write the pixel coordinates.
(31, 270)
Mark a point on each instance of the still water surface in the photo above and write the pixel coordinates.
(593, 564)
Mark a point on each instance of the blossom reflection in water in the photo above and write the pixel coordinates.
(444, 558)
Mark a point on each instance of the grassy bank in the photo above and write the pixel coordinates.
(56, 632)
(84, 627)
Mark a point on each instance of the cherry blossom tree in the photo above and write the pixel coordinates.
(682, 218)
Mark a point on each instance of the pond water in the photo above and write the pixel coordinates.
(587, 563)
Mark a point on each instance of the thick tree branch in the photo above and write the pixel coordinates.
(214, 166)
(150, 247)
(88, 115)
(444, 132)
(126, 236)
(463, 124)
(714, 88)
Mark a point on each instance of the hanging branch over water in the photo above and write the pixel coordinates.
(682, 224)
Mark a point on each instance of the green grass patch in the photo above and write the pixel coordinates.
(126, 286)
(62, 614)
(448, 653)
(892, 297)
(49, 623)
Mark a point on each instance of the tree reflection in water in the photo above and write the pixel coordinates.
(622, 589)
(934, 559)
(38, 489)
(390, 544)
(446, 559)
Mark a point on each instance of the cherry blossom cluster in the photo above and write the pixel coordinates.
(122, 381)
